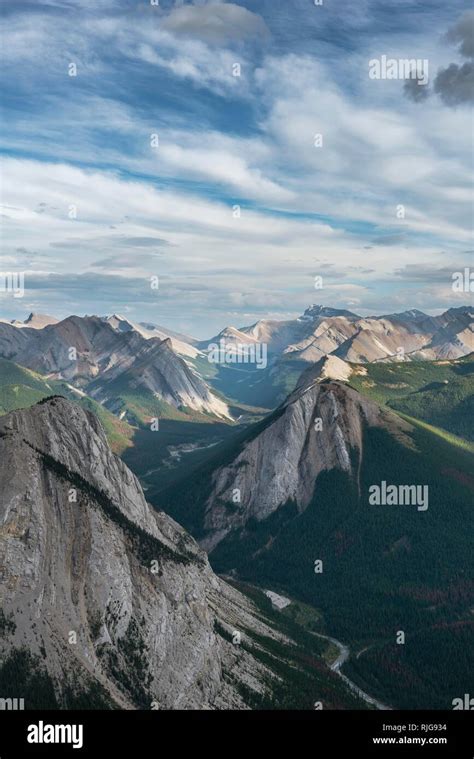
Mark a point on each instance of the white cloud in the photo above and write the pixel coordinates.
(372, 159)
(254, 141)
(215, 21)
(204, 239)
(225, 168)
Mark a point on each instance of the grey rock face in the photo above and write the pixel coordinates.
(102, 355)
(315, 430)
(101, 587)
(408, 336)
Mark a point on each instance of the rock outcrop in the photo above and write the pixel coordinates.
(109, 595)
(318, 428)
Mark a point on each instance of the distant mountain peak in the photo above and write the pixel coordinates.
(329, 367)
(119, 323)
(316, 311)
(415, 312)
(460, 310)
(36, 320)
(110, 351)
(411, 313)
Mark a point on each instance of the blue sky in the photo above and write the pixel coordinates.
(133, 168)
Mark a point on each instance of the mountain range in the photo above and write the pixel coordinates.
(145, 371)
(287, 504)
(107, 603)
(270, 471)
(411, 335)
(108, 362)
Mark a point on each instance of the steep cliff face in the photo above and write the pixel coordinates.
(106, 592)
(319, 427)
(181, 344)
(287, 503)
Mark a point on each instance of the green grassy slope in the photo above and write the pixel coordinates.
(20, 388)
(438, 392)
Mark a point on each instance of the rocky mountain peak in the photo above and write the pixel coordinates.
(318, 428)
(316, 311)
(119, 322)
(35, 321)
(328, 367)
(114, 602)
(96, 353)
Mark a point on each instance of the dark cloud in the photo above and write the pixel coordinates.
(427, 274)
(115, 240)
(25, 252)
(44, 207)
(455, 84)
(395, 239)
(127, 261)
(415, 91)
(89, 282)
(112, 286)
(360, 270)
(143, 242)
(463, 33)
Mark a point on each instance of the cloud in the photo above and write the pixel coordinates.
(216, 22)
(117, 240)
(416, 91)
(208, 243)
(143, 242)
(101, 43)
(455, 84)
(227, 165)
(463, 33)
(190, 60)
(227, 140)
(142, 214)
(387, 155)
(428, 274)
(388, 240)
(124, 261)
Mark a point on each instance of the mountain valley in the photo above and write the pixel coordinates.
(270, 470)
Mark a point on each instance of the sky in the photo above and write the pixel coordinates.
(200, 163)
